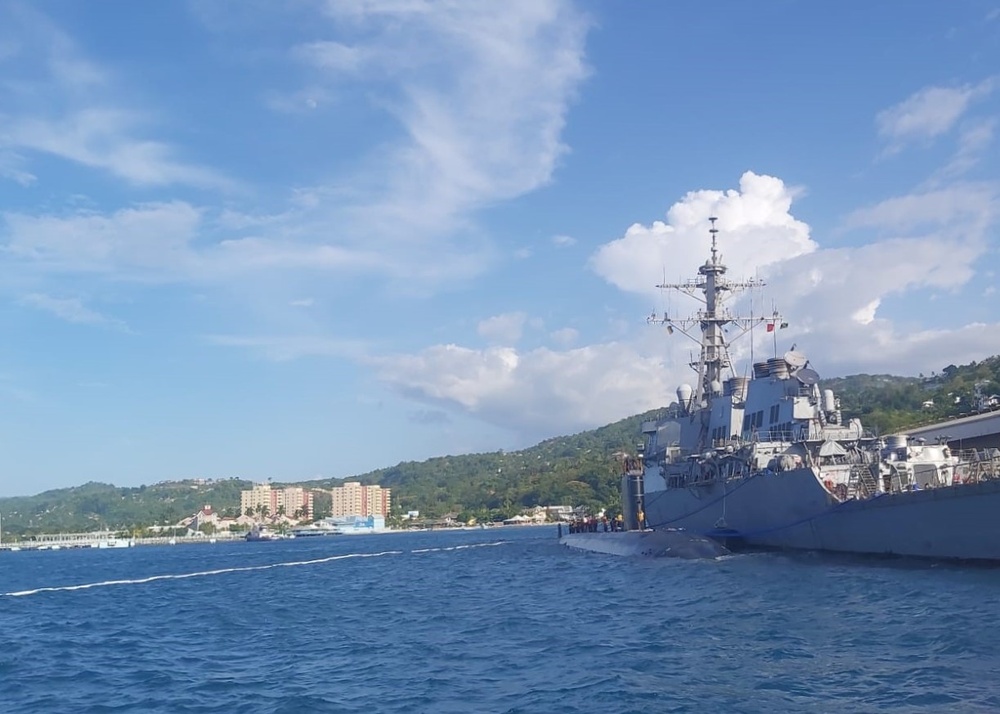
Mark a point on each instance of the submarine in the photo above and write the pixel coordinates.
(669, 543)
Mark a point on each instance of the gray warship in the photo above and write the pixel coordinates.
(770, 461)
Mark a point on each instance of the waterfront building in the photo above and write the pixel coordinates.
(355, 525)
(354, 499)
(290, 501)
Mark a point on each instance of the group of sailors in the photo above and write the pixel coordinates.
(591, 524)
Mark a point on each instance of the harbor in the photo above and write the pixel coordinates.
(109, 540)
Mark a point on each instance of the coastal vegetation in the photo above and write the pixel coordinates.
(580, 470)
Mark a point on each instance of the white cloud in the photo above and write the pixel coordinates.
(563, 240)
(755, 225)
(480, 92)
(565, 336)
(866, 314)
(302, 302)
(71, 310)
(928, 113)
(152, 240)
(177, 242)
(536, 393)
(58, 102)
(103, 138)
(503, 329)
(12, 167)
(956, 205)
(973, 140)
(831, 297)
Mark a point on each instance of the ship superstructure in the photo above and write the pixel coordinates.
(771, 460)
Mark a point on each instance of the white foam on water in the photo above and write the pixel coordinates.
(200, 574)
(241, 569)
(458, 547)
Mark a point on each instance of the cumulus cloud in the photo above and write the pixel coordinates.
(756, 229)
(833, 298)
(535, 392)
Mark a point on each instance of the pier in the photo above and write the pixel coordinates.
(109, 539)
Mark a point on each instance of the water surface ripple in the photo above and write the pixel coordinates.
(489, 621)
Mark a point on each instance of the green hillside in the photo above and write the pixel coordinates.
(99, 506)
(890, 404)
(576, 470)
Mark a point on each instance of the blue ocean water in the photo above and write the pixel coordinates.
(501, 620)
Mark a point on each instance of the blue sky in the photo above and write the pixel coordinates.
(310, 239)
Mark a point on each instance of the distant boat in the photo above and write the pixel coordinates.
(259, 532)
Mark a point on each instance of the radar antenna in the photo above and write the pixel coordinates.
(712, 289)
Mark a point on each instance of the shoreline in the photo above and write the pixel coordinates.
(96, 543)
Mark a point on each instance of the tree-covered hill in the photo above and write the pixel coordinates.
(890, 404)
(581, 469)
(99, 506)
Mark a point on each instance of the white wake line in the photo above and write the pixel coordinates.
(223, 571)
(458, 547)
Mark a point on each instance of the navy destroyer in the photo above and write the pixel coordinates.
(771, 461)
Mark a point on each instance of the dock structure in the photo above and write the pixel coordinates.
(107, 539)
(975, 431)
(55, 541)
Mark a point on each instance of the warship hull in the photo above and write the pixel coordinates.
(793, 510)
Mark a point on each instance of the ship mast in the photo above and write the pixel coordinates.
(715, 289)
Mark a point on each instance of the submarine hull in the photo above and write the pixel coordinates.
(671, 543)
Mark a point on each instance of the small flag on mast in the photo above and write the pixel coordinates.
(770, 327)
